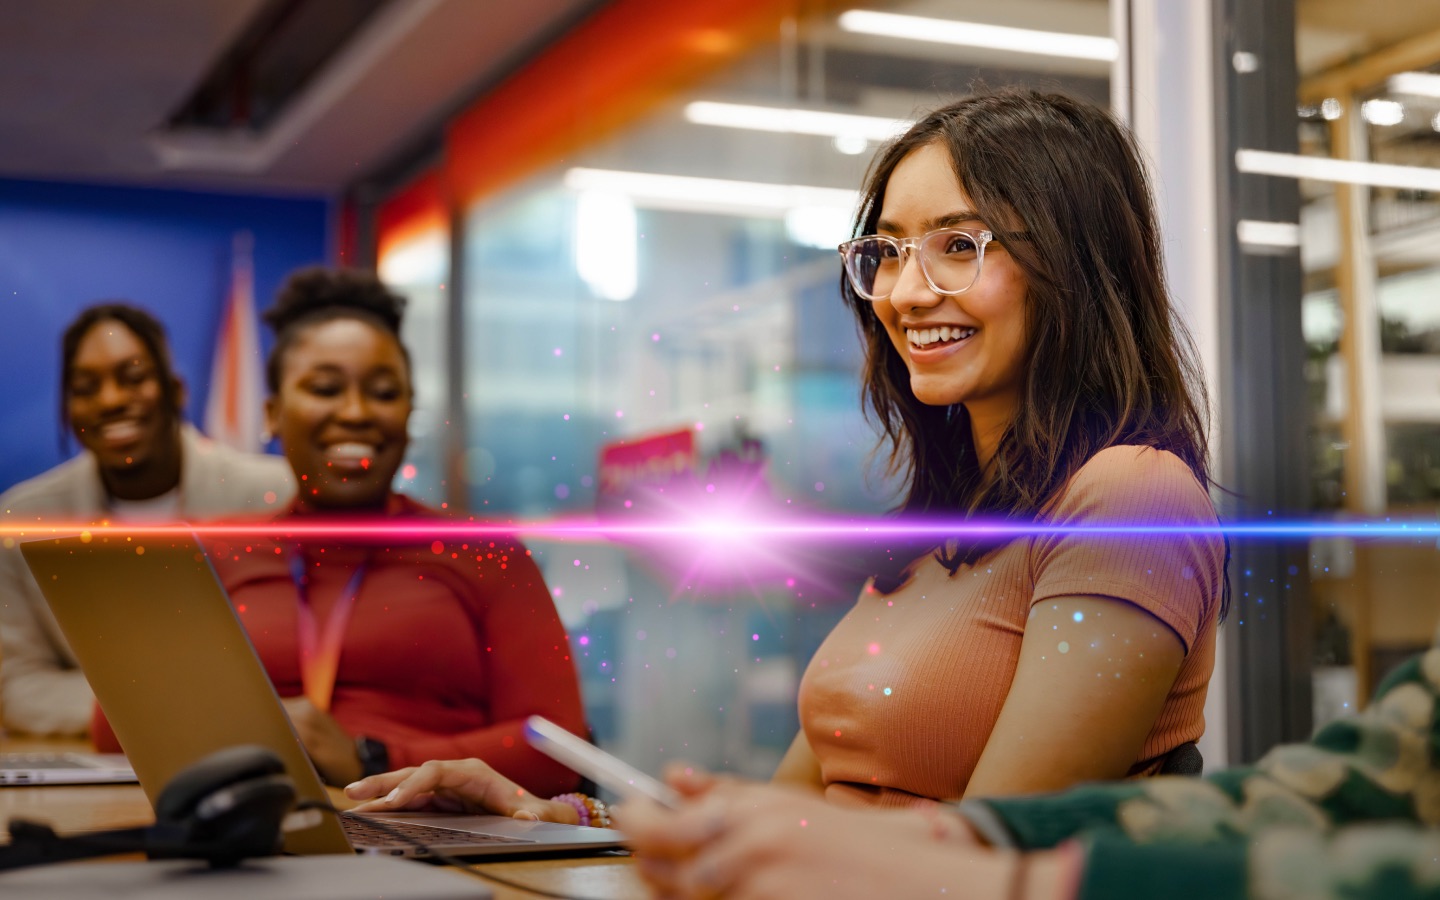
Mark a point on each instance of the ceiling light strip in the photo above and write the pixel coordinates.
(975, 34)
(1293, 165)
(686, 193)
(1415, 84)
(1267, 234)
(794, 121)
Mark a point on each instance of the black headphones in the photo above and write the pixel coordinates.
(225, 808)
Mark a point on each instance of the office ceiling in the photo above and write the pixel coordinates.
(86, 86)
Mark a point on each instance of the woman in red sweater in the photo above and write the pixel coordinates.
(389, 648)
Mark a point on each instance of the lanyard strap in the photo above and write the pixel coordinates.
(320, 651)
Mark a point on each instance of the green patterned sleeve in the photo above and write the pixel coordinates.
(1344, 808)
(1379, 765)
(1382, 861)
(1388, 861)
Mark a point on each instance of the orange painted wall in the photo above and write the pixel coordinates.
(418, 208)
(607, 73)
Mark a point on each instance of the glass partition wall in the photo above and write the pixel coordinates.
(678, 282)
(417, 267)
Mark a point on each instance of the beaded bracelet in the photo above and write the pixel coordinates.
(592, 810)
(578, 802)
(599, 814)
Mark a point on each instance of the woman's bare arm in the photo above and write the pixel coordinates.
(799, 767)
(1092, 678)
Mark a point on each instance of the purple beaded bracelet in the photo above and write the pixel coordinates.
(578, 802)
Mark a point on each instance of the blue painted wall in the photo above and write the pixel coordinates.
(66, 246)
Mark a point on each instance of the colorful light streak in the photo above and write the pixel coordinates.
(720, 528)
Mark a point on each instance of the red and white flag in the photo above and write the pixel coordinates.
(234, 411)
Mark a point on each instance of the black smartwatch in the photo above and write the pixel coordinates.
(374, 756)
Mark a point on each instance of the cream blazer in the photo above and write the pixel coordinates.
(42, 691)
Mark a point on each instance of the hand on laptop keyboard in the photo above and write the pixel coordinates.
(457, 785)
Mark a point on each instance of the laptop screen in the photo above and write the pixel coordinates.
(170, 663)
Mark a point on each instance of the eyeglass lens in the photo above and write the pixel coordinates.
(950, 261)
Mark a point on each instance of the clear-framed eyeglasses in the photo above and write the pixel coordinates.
(950, 260)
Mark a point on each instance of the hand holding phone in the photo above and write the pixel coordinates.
(597, 765)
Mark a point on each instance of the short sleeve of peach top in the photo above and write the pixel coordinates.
(899, 700)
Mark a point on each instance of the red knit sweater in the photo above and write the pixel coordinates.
(450, 646)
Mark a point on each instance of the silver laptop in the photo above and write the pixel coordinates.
(65, 768)
(178, 679)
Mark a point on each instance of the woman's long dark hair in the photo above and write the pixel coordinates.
(1109, 362)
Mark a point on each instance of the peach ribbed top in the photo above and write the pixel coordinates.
(900, 699)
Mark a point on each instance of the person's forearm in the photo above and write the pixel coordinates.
(41, 689)
(804, 786)
(798, 783)
(798, 768)
(47, 701)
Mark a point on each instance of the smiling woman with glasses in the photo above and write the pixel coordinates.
(1025, 364)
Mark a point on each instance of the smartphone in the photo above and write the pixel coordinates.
(595, 764)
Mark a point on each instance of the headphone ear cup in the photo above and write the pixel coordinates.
(239, 821)
(177, 802)
(227, 807)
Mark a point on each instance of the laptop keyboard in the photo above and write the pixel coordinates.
(363, 832)
(38, 761)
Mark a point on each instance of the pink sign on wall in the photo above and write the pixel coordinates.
(648, 462)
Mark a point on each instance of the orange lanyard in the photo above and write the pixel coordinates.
(320, 650)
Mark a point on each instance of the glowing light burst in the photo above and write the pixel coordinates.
(728, 528)
(714, 539)
(738, 539)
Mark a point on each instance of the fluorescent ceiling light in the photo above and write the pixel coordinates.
(606, 254)
(1292, 165)
(719, 196)
(1268, 234)
(794, 121)
(1416, 84)
(821, 227)
(974, 34)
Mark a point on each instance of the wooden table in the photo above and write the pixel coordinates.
(90, 808)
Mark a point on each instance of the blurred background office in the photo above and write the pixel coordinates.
(616, 223)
